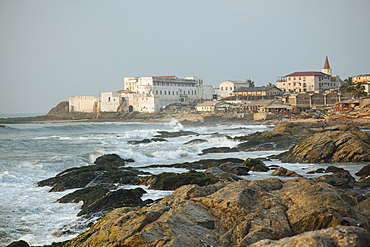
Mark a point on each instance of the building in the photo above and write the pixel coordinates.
(258, 92)
(364, 79)
(310, 81)
(315, 100)
(84, 104)
(151, 94)
(110, 101)
(227, 88)
(211, 106)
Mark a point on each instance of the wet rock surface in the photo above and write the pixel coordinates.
(345, 144)
(234, 214)
(172, 181)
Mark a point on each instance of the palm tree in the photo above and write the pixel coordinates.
(250, 82)
(348, 86)
(270, 85)
(358, 91)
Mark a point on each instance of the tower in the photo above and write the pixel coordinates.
(326, 69)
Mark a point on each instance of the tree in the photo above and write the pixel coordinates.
(348, 86)
(250, 82)
(358, 91)
(270, 85)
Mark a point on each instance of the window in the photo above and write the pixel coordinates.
(222, 88)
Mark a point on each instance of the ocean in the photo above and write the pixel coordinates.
(36, 151)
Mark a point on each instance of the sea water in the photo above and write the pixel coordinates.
(36, 151)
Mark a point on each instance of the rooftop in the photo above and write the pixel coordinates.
(307, 73)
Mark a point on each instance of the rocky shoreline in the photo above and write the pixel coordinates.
(213, 206)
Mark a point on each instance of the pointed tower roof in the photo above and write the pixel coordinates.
(326, 63)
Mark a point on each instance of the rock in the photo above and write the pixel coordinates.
(364, 175)
(172, 181)
(283, 136)
(236, 169)
(61, 109)
(94, 174)
(110, 159)
(365, 171)
(336, 236)
(19, 243)
(365, 180)
(219, 150)
(281, 171)
(334, 169)
(331, 147)
(341, 179)
(255, 165)
(115, 199)
(294, 129)
(166, 134)
(195, 141)
(230, 214)
(319, 170)
(364, 207)
(147, 141)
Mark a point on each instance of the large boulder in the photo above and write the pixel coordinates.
(364, 175)
(227, 214)
(331, 146)
(341, 236)
(282, 137)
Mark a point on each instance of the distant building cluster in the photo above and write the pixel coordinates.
(302, 89)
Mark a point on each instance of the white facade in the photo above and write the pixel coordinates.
(110, 101)
(150, 94)
(83, 104)
(308, 82)
(227, 88)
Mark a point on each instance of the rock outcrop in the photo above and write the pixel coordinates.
(234, 214)
(364, 175)
(343, 236)
(339, 145)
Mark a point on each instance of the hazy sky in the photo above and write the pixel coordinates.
(53, 49)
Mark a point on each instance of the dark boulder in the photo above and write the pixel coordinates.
(19, 243)
(255, 165)
(365, 171)
(93, 174)
(364, 175)
(219, 150)
(281, 171)
(115, 199)
(110, 159)
(147, 141)
(172, 181)
(166, 134)
(237, 169)
(195, 141)
(340, 178)
(319, 170)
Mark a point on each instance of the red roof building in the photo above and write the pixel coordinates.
(310, 81)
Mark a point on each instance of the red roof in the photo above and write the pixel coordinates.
(307, 73)
(125, 91)
(166, 76)
(326, 63)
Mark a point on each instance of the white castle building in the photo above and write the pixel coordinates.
(150, 94)
(227, 88)
(310, 81)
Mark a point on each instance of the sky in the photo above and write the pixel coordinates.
(53, 49)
